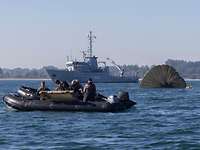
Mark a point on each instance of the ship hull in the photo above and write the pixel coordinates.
(97, 77)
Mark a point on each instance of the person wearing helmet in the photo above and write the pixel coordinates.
(61, 85)
(58, 86)
(89, 91)
(77, 88)
(65, 85)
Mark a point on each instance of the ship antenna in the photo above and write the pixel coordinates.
(91, 39)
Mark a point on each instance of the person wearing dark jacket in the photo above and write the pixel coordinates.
(61, 85)
(58, 86)
(77, 89)
(65, 85)
(89, 91)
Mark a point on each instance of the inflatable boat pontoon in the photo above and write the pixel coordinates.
(25, 100)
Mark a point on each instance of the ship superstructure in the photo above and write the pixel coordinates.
(89, 68)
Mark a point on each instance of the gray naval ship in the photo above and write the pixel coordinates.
(90, 68)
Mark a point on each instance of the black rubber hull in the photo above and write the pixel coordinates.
(21, 104)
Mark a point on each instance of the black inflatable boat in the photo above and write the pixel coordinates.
(25, 101)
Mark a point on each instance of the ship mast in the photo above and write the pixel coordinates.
(91, 40)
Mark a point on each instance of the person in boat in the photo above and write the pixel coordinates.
(61, 85)
(89, 91)
(77, 89)
(65, 85)
(58, 85)
(42, 87)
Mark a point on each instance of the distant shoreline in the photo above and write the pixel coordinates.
(186, 79)
(47, 79)
(36, 79)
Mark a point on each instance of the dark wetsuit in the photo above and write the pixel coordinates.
(77, 88)
(62, 86)
(65, 85)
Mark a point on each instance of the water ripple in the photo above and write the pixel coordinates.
(162, 119)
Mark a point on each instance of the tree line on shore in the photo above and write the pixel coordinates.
(186, 69)
(24, 73)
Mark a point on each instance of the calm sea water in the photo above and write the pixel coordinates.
(162, 119)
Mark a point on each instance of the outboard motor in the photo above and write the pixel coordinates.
(123, 96)
(112, 99)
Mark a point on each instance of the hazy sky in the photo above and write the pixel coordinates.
(36, 33)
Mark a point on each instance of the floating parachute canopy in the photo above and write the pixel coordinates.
(163, 76)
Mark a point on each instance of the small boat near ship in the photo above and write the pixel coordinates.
(26, 99)
(90, 68)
